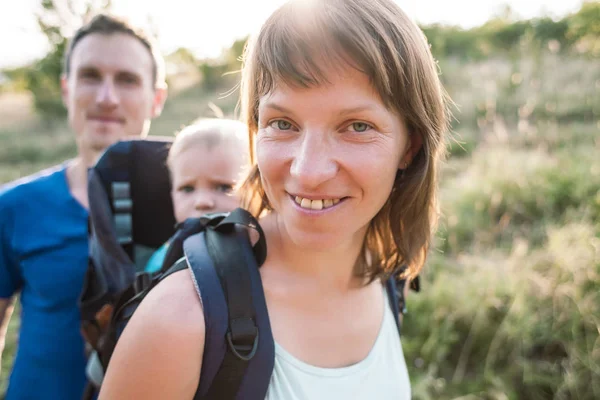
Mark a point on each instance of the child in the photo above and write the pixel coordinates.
(347, 121)
(206, 161)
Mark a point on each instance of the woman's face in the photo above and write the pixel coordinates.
(328, 157)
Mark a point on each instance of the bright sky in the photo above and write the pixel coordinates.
(208, 26)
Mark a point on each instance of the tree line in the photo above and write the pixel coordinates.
(577, 33)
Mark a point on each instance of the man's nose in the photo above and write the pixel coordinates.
(107, 96)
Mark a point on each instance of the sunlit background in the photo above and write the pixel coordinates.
(206, 27)
(510, 300)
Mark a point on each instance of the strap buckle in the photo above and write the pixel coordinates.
(242, 338)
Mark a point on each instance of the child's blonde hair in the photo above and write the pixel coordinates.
(296, 44)
(210, 133)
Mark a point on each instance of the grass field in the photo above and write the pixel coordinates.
(510, 306)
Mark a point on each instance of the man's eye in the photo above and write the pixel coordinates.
(128, 79)
(90, 75)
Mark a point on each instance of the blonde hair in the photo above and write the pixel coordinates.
(377, 38)
(208, 132)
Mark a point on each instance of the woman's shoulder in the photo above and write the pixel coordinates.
(174, 304)
(165, 337)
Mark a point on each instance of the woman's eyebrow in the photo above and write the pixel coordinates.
(277, 107)
(357, 109)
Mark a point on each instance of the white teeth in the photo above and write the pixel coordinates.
(315, 204)
(305, 203)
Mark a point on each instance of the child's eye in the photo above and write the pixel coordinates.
(186, 188)
(224, 188)
(281, 124)
(360, 127)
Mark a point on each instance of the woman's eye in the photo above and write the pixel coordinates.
(360, 127)
(186, 189)
(281, 124)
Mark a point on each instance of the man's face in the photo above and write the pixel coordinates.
(110, 93)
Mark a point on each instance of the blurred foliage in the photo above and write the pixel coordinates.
(223, 72)
(510, 307)
(522, 325)
(212, 74)
(578, 32)
(575, 33)
(42, 79)
(510, 301)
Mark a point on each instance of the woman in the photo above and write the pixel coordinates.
(347, 118)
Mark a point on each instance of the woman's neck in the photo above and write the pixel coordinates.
(330, 269)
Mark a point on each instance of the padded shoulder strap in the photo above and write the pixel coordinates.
(239, 350)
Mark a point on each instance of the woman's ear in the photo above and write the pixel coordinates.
(415, 142)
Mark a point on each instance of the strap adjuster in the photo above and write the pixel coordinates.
(242, 338)
(123, 206)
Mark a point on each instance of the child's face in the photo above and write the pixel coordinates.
(203, 179)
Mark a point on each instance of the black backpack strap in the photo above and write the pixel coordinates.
(239, 350)
(193, 226)
(395, 289)
(241, 217)
(242, 334)
(395, 298)
(179, 265)
(189, 227)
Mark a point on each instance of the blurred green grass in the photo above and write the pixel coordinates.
(510, 307)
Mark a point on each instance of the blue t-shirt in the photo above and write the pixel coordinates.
(43, 254)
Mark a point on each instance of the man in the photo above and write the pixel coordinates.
(113, 85)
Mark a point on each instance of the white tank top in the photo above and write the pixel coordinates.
(382, 375)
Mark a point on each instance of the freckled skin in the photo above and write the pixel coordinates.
(334, 140)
